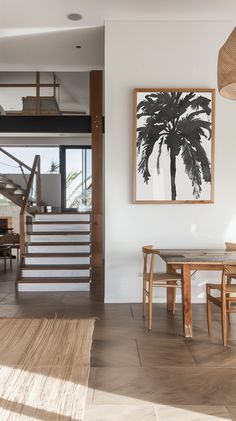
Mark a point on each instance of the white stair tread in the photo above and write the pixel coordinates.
(52, 233)
(58, 255)
(53, 267)
(63, 279)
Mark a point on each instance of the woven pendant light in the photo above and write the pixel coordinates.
(227, 67)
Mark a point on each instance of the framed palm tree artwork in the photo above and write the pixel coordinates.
(173, 154)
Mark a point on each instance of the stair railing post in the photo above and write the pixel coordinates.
(38, 185)
(22, 234)
(25, 204)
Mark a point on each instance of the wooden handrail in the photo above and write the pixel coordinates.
(28, 85)
(15, 159)
(34, 172)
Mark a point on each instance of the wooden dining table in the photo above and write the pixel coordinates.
(189, 260)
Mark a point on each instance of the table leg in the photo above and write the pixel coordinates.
(5, 260)
(186, 301)
(171, 292)
(11, 259)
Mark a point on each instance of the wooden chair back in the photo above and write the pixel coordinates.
(10, 238)
(228, 274)
(149, 254)
(230, 246)
(228, 277)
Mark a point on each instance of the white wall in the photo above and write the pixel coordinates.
(161, 54)
(50, 186)
(13, 211)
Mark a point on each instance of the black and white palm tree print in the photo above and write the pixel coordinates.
(180, 121)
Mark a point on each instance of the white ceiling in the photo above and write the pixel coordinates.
(52, 13)
(36, 35)
(53, 51)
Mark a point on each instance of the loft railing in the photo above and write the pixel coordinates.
(32, 198)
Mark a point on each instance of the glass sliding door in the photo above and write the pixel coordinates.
(76, 172)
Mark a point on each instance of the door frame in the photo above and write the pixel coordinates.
(62, 157)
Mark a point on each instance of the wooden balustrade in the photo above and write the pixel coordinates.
(21, 164)
(35, 172)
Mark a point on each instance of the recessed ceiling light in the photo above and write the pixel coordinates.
(74, 16)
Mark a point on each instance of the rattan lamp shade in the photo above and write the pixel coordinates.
(227, 67)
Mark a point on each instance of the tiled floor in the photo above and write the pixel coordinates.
(138, 375)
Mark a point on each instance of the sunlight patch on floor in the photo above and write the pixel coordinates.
(40, 393)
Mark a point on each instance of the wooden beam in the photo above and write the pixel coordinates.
(97, 285)
(45, 124)
(38, 93)
(54, 85)
(28, 85)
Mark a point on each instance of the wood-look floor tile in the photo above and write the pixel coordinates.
(76, 312)
(37, 298)
(89, 396)
(2, 296)
(76, 298)
(116, 312)
(38, 311)
(100, 311)
(114, 353)
(7, 287)
(120, 413)
(8, 310)
(192, 413)
(132, 329)
(197, 372)
(211, 353)
(200, 331)
(168, 385)
(159, 311)
(164, 352)
(232, 412)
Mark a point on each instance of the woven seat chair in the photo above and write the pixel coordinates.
(153, 280)
(230, 247)
(226, 297)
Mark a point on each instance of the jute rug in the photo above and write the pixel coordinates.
(44, 368)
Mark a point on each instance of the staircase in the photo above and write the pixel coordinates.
(12, 191)
(58, 251)
(55, 248)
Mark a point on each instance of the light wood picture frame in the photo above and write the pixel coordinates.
(173, 145)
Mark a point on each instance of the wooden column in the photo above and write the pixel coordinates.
(97, 285)
(37, 93)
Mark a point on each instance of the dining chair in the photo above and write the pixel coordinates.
(224, 300)
(230, 246)
(153, 279)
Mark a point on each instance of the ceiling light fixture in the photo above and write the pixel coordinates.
(227, 67)
(74, 16)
